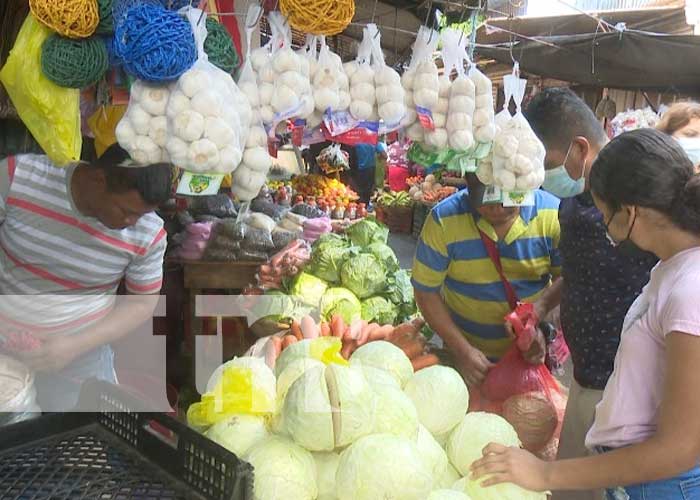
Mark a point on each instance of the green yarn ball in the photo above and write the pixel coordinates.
(106, 26)
(219, 47)
(74, 63)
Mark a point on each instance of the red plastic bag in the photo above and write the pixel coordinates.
(526, 395)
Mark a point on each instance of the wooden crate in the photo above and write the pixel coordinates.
(398, 219)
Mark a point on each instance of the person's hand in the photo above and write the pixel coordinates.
(473, 365)
(505, 464)
(54, 354)
(537, 352)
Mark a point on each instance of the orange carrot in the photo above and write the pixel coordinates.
(355, 329)
(296, 330)
(288, 340)
(337, 325)
(424, 361)
(366, 333)
(309, 328)
(325, 330)
(272, 352)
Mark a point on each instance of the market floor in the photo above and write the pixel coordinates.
(404, 246)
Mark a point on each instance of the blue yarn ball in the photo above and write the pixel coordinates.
(154, 44)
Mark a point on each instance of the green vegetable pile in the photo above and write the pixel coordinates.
(356, 275)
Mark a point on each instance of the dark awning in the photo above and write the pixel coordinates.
(626, 59)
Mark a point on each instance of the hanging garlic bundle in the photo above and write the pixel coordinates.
(389, 93)
(485, 169)
(420, 82)
(143, 130)
(251, 175)
(518, 155)
(208, 115)
(437, 138)
(363, 103)
(330, 85)
(285, 90)
(462, 92)
(484, 127)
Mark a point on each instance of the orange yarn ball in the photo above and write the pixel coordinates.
(69, 18)
(318, 17)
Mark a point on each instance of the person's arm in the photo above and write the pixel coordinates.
(382, 152)
(6, 171)
(675, 448)
(429, 271)
(144, 278)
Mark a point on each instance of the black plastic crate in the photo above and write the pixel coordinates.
(116, 455)
(420, 212)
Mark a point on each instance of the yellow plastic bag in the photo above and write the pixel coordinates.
(102, 123)
(51, 113)
(327, 350)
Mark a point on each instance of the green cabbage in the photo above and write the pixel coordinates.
(327, 260)
(238, 433)
(385, 356)
(400, 289)
(368, 231)
(473, 434)
(383, 466)
(441, 398)
(340, 301)
(308, 288)
(503, 491)
(385, 255)
(364, 275)
(278, 306)
(330, 240)
(380, 310)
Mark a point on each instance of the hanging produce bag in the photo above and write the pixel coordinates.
(102, 123)
(251, 174)
(389, 93)
(462, 96)
(51, 113)
(363, 105)
(208, 115)
(518, 155)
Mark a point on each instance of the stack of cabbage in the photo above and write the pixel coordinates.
(356, 276)
(367, 430)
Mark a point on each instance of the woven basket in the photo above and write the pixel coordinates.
(420, 213)
(398, 219)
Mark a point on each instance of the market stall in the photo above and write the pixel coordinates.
(345, 393)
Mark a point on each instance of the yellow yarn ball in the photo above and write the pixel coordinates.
(69, 18)
(318, 17)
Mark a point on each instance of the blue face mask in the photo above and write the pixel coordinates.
(691, 145)
(558, 182)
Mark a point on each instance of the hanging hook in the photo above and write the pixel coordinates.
(427, 18)
(461, 20)
(374, 10)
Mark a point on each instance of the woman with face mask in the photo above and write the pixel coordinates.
(682, 121)
(646, 431)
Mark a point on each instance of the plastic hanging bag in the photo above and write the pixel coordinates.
(208, 115)
(51, 113)
(484, 126)
(518, 155)
(103, 123)
(389, 92)
(423, 47)
(462, 100)
(526, 395)
(363, 105)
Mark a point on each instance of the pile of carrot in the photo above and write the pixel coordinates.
(406, 336)
(285, 263)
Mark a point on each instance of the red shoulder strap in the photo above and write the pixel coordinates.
(11, 165)
(495, 257)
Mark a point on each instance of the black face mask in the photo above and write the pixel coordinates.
(627, 247)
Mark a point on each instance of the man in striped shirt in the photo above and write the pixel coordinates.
(457, 285)
(68, 237)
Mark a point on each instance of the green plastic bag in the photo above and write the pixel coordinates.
(51, 113)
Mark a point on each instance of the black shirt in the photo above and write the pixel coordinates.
(600, 285)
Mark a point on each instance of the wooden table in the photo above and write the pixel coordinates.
(198, 276)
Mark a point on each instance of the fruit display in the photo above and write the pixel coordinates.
(394, 199)
(319, 186)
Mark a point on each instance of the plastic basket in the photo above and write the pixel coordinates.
(116, 454)
(420, 212)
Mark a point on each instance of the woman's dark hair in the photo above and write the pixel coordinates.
(153, 182)
(647, 168)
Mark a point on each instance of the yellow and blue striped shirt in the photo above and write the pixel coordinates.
(451, 259)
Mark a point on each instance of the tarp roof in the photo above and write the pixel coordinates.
(653, 50)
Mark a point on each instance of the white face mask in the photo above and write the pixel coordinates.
(691, 145)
